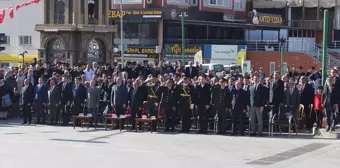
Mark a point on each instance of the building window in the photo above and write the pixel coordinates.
(127, 1)
(7, 40)
(25, 40)
(272, 67)
(185, 2)
(219, 3)
(193, 2)
(240, 5)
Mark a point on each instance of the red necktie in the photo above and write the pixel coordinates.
(302, 87)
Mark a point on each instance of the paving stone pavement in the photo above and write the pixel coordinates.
(37, 146)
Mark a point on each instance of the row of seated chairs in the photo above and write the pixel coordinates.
(271, 121)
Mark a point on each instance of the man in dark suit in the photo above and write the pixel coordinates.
(257, 93)
(246, 86)
(54, 102)
(276, 91)
(40, 100)
(203, 96)
(129, 90)
(27, 101)
(190, 71)
(136, 103)
(79, 96)
(292, 97)
(66, 98)
(221, 102)
(306, 99)
(330, 100)
(239, 108)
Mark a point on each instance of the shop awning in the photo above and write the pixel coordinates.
(15, 58)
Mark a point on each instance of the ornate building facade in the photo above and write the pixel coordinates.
(76, 31)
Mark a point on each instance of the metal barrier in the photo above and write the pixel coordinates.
(274, 45)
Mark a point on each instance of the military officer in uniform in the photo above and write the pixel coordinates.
(221, 102)
(186, 103)
(168, 103)
(153, 98)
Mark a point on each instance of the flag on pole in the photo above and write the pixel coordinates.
(11, 12)
(2, 15)
(198, 57)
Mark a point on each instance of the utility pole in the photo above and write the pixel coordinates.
(121, 33)
(324, 46)
(282, 43)
(183, 15)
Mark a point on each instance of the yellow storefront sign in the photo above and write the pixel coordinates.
(15, 58)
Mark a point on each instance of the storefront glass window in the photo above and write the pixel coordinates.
(271, 35)
(138, 33)
(254, 35)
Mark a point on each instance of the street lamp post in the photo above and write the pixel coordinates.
(324, 47)
(183, 15)
(282, 42)
(23, 57)
(121, 32)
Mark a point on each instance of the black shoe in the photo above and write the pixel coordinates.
(167, 130)
(23, 123)
(327, 129)
(252, 134)
(220, 133)
(332, 129)
(260, 135)
(199, 131)
(28, 123)
(205, 132)
(233, 134)
(183, 131)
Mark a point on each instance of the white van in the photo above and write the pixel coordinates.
(236, 68)
(212, 67)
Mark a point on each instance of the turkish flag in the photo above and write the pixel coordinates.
(19, 6)
(24, 4)
(35, 1)
(11, 12)
(2, 15)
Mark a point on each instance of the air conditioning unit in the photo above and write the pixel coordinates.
(149, 1)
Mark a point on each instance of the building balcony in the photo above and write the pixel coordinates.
(73, 27)
(306, 24)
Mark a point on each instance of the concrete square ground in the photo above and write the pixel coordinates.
(37, 146)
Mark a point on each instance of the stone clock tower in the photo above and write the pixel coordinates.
(76, 31)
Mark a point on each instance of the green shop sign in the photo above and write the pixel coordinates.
(175, 50)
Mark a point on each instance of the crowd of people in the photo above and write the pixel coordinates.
(54, 93)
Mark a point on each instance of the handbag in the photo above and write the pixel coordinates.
(6, 101)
